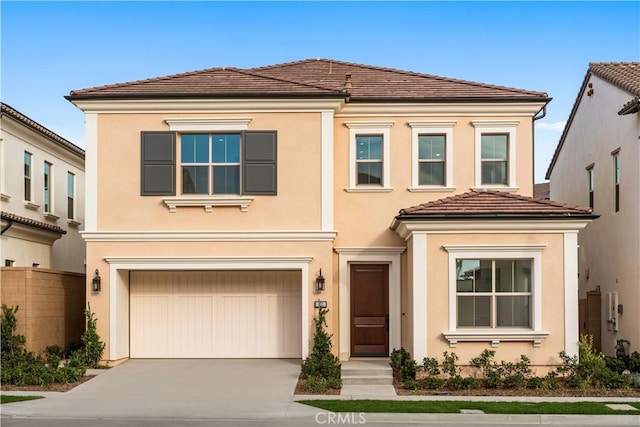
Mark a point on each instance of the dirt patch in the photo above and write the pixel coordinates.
(52, 387)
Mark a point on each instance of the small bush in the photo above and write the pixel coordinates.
(634, 362)
(398, 357)
(534, 383)
(431, 366)
(92, 346)
(316, 384)
(322, 363)
(432, 383)
(449, 364)
(410, 384)
(403, 365)
(462, 383)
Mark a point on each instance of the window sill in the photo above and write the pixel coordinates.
(368, 189)
(31, 205)
(4, 197)
(73, 223)
(431, 189)
(497, 188)
(495, 336)
(209, 202)
(51, 216)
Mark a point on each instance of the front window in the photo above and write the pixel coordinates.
(71, 195)
(493, 293)
(494, 158)
(27, 176)
(47, 186)
(369, 159)
(431, 159)
(210, 163)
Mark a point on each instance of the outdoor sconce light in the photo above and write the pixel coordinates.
(320, 282)
(95, 283)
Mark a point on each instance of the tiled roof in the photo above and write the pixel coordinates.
(310, 77)
(26, 121)
(31, 222)
(625, 75)
(494, 204)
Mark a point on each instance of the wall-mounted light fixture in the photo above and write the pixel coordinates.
(320, 282)
(95, 283)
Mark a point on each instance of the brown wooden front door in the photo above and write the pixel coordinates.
(369, 310)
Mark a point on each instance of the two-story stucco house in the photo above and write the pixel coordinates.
(596, 163)
(229, 203)
(41, 192)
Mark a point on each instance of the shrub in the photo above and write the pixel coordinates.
(11, 344)
(432, 383)
(92, 346)
(398, 357)
(449, 364)
(462, 383)
(316, 384)
(322, 363)
(410, 384)
(634, 362)
(403, 365)
(431, 366)
(484, 362)
(534, 383)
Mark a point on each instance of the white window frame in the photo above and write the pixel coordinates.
(29, 204)
(507, 127)
(535, 333)
(615, 154)
(47, 187)
(419, 128)
(591, 185)
(370, 128)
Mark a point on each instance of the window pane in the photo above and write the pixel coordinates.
(27, 164)
(195, 148)
(513, 311)
(431, 173)
(494, 172)
(369, 147)
(226, 180)
(431, 147)
(522, 275)
(195, 179)
(504, 276)
(370, 173)
(494, 146)
(474, 311)
(473, 275)
(226, 148)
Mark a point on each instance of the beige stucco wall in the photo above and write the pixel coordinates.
(50, 302)
(610, 246)
(363, 219)
(553, 301)
(296, 207)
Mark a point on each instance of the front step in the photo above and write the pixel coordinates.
(373, 372)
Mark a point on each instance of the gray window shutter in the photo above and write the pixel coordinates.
(158, 164)
(259, 162)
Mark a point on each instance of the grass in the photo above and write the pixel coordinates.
(10, 399)
(454, 407)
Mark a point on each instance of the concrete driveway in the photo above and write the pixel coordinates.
(179, 389)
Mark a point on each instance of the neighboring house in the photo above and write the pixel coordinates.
(41, 196)
(41, 212)
(229, 203)
(597, 164)
(541, 191)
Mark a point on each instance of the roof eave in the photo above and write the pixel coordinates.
(475, 99)
(497, 217)
(128, 96)
(630, 107)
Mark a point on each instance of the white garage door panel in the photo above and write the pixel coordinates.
(230, 314)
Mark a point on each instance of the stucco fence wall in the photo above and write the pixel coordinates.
(51, 304)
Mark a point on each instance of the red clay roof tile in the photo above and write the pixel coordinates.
(7, 216)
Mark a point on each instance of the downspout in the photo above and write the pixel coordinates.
(533, 140)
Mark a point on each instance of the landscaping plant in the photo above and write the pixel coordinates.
(92, 347)
(321, 370)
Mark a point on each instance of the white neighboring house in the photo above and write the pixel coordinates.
(41, 196)
(597, 164)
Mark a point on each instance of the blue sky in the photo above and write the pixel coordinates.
(51, 48)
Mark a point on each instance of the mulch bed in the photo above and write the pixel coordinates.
(52, 387)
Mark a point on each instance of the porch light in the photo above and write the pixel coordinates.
(320, 282)
(95, 283)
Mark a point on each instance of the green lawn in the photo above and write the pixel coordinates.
(451, 406)
(11, 399)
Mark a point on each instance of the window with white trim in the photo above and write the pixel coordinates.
(432, 160)
(210, 163)
(369, 156)
(495, 143)
(493, 293)
(591, 183)
(27, 176)
(71, 191)
(616, 180)
(48, 170)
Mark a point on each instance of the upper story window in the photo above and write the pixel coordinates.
(48, 169)
(210, 163)
(369, 159)
(616, 180)
(27, 176)
(493, 293)
(494, 150)
(369, 156)
(432, 147)
(495, 153)
(591, 183)
(71, 191)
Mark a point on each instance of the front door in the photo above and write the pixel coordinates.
(369, 310)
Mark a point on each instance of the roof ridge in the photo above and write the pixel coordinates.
(411, 73)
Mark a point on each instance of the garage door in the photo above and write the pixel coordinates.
(209, 314)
